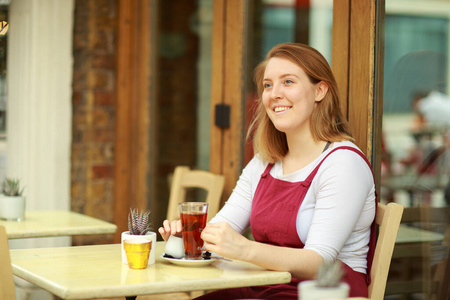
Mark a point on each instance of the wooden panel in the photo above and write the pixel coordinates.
(122, 191)
(217, 78)
(380, 12)
(361, 73)
(340, 49)
(132, 118)
(227, 87)
(234, 93)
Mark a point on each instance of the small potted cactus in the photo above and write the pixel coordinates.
(12, 201)
(139, 226)
(326, 285)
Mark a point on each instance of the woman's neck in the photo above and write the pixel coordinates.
(302, 151)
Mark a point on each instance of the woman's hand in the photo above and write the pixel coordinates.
(222, 239)
(170, 228)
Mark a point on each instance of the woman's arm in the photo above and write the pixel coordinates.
(220, 238)
(337, 210)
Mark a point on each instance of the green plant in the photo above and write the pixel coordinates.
(329, 274)
(138, 222)
(11, 187)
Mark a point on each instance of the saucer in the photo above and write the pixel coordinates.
(189, 262)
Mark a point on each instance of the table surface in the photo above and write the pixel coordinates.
(407, 234)
(56, 223)
(97, 271)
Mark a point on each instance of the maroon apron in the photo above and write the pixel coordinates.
(273, 221)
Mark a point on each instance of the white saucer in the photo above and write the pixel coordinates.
(189, 262)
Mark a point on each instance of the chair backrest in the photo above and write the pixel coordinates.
(7, 290)
(388, 220)
(184, 178)
(427, 260)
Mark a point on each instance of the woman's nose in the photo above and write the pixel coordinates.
(276, 92)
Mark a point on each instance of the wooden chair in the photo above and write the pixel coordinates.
(7, 290)
(388, 221)
(184, 179)
(423, 267)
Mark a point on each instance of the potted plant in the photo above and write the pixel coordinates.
(326, 285)
(139, 226)
(12, 202)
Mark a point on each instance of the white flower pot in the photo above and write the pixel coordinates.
(12, 208)
(150, 236)
(308, 290)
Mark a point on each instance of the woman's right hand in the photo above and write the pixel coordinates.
(170, 228)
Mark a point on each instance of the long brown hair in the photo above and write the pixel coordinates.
(327, 120)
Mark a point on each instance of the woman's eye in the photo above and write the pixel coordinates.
(288, 81)
(267, 85)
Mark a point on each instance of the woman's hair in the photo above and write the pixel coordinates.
(327, 121)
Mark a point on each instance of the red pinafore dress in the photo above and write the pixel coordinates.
(273, 221)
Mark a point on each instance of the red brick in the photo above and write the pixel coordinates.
(104, 98)
(103, 171)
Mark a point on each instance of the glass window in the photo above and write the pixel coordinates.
(416, 141)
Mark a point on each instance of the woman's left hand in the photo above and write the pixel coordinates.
(222, 239)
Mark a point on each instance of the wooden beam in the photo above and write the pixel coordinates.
(380, 12)
(340, 49)
(233, 139)
(226, 151)
(361, 73)
(217, 75)
(132, 110)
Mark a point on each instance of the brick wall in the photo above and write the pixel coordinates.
(94, 50)
(95, 55)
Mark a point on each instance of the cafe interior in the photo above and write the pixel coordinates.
(101, 100)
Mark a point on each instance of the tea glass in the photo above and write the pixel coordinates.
(193, 217)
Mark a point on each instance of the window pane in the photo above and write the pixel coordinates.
(416, 139)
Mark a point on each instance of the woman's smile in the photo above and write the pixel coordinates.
(281, 108)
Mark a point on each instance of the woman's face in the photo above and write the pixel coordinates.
(289, 97)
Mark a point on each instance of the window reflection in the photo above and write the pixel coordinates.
(416, 145)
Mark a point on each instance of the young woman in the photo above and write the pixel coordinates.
(308, 194)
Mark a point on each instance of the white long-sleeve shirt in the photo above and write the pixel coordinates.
(336, 214)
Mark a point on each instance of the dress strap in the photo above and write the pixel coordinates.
(267, 170)
(326, 146)
(313, 173)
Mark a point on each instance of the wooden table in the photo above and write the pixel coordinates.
(56, 223)
(407, 234)
(97, 271)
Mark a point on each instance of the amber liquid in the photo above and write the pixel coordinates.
(193, 224)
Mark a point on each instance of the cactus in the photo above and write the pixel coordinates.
(138, 222)
(11, 187)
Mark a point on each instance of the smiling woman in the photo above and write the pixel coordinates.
(289, 96)
(294, 192)
(327, 122)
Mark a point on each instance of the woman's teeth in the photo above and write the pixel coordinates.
(281, 108)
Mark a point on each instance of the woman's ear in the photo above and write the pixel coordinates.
(321, 90)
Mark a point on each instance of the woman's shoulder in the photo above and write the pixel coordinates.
(345, 157)
(256, 165)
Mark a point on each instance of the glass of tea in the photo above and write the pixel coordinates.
(193, 217)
